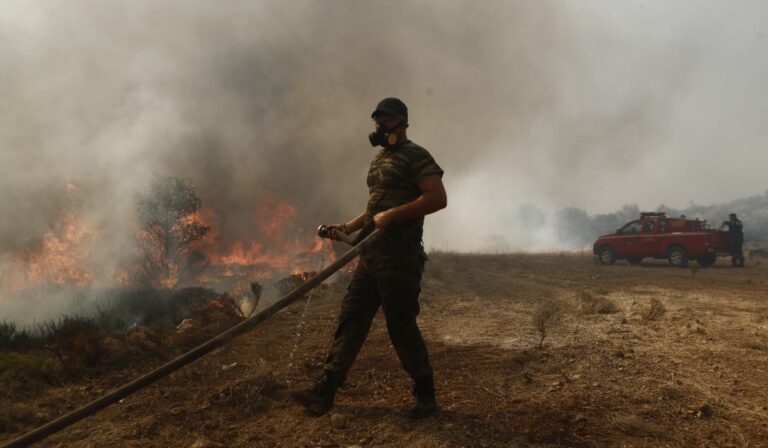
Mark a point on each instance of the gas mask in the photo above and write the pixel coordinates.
(384, 136)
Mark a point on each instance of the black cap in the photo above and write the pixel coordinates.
(391, 106)
(732, 215)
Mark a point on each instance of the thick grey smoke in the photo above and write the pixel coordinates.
(247, 99)
(547, 103)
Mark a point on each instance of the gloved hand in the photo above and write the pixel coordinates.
(332, 230)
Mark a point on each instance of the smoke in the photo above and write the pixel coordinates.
(546, 103)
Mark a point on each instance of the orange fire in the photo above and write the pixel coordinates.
(272, 246)
(62, 258)
(276, 247)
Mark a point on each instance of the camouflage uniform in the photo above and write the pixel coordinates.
(389, 271)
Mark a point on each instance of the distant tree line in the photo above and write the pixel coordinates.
(576, 228)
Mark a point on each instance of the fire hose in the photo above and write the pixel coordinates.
(364, 238)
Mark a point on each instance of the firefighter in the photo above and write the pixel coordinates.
(735, 240)
(404, 184)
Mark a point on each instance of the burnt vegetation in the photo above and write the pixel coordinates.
(127, 326)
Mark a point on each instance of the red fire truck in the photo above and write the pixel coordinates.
(655, 235)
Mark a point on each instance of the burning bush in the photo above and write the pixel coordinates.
(169, 234)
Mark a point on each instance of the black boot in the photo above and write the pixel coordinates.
(424, 392)
(318, 399)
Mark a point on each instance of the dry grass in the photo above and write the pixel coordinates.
(251, 393)
(758, 253)
(14, 416)
(640, 385)
(637, 427)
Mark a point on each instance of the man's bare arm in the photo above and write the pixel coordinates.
(356, 223)
(433, 198)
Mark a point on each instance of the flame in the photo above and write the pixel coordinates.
(271, 248)
(61, 258)
(275, 247)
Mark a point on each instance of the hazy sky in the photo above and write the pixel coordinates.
(593, 104)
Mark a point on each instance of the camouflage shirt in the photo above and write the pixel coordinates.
(393, 180)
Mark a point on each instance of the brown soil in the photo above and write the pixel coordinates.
(642, 356)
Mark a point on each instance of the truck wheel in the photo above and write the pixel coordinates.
(707, 260)
(635, 261)
(678, 257)
(606, 255)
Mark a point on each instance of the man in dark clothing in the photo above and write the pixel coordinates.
(404, 184)
(735, 240)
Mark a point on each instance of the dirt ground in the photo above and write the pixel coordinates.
(643, 356)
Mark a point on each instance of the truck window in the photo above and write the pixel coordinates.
(663, 226)
(648, 225)
(632, 227)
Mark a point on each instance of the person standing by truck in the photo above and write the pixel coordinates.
(735, 240)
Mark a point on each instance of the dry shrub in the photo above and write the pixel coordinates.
(222, 312)
(77, 341)
(7, 332)
(694, 267)
(13, 339)
(546, 315)
(656, 310)
(228, 307)
(140, 344)
(87, 348)
(672, 393)
(594, 304)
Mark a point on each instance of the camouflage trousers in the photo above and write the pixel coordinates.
(387, 275)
